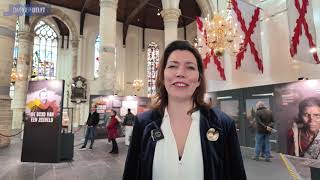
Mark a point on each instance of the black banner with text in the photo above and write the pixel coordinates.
(41, 140)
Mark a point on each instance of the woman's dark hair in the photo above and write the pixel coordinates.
(161, 97)
(114, 111)
(311, 101)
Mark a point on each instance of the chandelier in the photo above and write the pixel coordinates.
(221, 33)
(137, 84)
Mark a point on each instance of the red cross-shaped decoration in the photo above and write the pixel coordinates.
(247, 40)
(301, 21)
(206, 60)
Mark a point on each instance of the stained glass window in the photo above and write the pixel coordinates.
(152, 67)
(16, 45)
(15, 57)
(44, 52)
(96, 57)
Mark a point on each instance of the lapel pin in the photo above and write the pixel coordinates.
(156, 134)
(212, 134)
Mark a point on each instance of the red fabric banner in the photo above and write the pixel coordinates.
(301, 22)
(247, 40)
(210, 54)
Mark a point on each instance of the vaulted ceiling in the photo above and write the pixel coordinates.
(142, 13)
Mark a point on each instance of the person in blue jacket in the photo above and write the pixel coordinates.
(181, 137)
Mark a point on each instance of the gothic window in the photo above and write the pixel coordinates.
(16, 45)
(96, 57)
(152, 67)
(44, 52)
(15, 59)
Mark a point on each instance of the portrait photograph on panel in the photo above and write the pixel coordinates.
(298, 112)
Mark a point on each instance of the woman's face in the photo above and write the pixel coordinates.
(181, 75)
(311, 116)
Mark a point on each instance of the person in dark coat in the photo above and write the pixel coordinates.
(92, 122)
(264, 124)
(128, 123)
(112, 131)
(181, 137)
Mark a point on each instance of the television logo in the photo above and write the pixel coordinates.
(28, 10)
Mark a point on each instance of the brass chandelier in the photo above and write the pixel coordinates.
(221, 33)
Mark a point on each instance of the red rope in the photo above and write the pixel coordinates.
(247, 40)
(301, 21)
(10, 135)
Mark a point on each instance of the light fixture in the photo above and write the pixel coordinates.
(15, 75)
(138, 83)
(221, 33)
(158, 13)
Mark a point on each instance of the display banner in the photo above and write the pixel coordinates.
(120, 104)
(41, 139)
(298, 114)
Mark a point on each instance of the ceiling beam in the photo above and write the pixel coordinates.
(131, 16)
(83, 14)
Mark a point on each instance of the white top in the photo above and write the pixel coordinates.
(166, 164)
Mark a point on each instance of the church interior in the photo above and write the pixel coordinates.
(100, 49)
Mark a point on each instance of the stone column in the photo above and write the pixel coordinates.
(7, 34)
(107, 32)
(75, 50)
(170, 18)
(77, 114)
(75, 72)
(23, 70)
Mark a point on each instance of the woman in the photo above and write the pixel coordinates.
(112, 131)
(304, 136)
(181, 137)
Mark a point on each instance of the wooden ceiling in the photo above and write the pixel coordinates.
(142, 13)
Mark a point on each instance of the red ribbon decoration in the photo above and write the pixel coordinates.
(206, 60)
(301, 21)
(247, 40)
(219, 66)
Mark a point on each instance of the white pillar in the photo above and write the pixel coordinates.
(107, 32)
(170, 18)
(23, 70)
(75, 49)
(7, 34)
(77, 118)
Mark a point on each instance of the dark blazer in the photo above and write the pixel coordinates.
(222, 159)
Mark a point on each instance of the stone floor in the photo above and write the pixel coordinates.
(98, 164)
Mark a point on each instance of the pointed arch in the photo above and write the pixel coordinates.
(61, 16)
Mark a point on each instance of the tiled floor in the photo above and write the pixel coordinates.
(98, 164)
